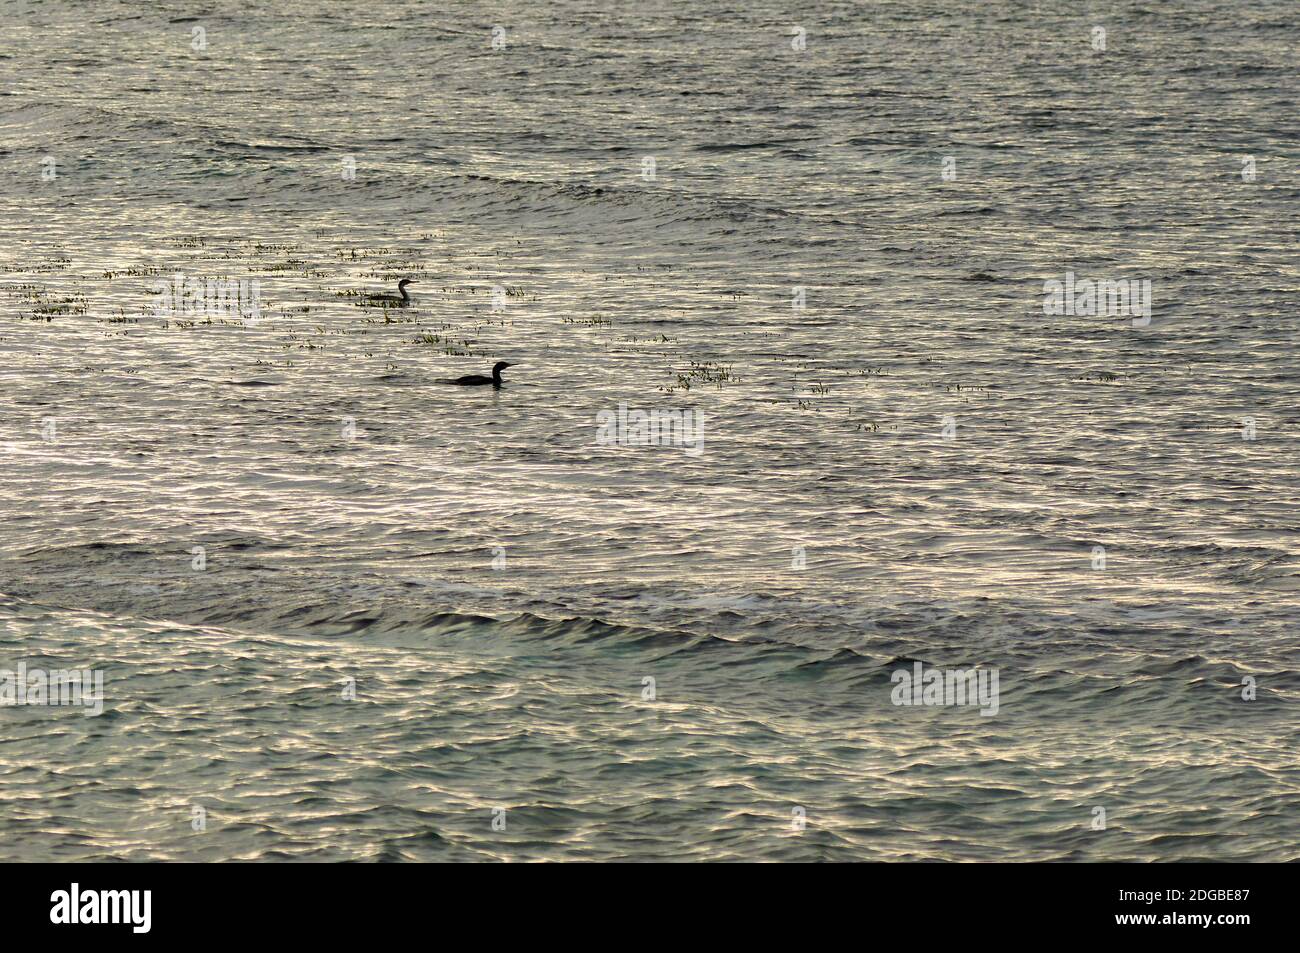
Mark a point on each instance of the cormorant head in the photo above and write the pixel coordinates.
(501, 366)
(404, 282)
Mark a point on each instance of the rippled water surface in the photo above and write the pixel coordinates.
(640, 652)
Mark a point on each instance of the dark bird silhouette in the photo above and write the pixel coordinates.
(393, 301)
(475, 379)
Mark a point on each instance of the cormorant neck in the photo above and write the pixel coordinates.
(405, 296)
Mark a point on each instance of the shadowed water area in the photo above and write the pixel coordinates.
(649, 652)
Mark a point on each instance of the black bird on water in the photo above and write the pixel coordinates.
(475, 379)
(393, 301)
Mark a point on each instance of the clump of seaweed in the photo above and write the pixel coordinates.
(701, 373)
(47, 307)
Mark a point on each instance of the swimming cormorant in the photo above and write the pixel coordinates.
(494, 380)
(393, 301)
